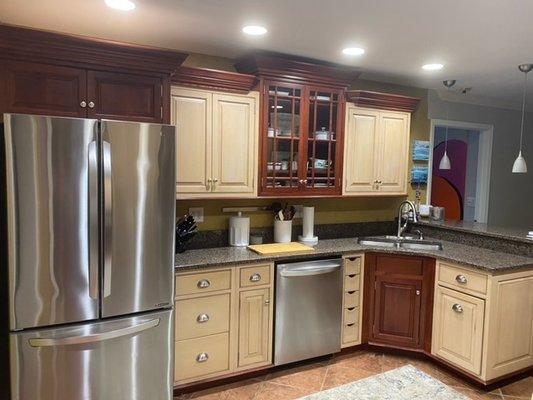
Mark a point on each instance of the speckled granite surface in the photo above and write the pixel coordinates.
(483, 259)
(405, 383)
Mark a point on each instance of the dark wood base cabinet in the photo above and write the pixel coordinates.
(399, 301)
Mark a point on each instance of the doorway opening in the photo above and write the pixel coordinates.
(463, 190)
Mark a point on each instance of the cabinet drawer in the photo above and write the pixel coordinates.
(351, 283)
(203, 282)
(350, 333)
(351, 299)
(351, 316)
(352, 265)
(201, 356)
(255, 276)
(461, 278)
(202, 316)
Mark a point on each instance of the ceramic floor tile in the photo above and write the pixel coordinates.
(272, 391)
(366, 361)
(305, 377)
(245, 390)
(473, 394)
(337, 375)
(521, 389)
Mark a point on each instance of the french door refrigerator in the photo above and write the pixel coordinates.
(91, 213)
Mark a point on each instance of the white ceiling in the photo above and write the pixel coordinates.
(481, 42)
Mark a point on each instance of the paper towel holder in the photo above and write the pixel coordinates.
(308, 237)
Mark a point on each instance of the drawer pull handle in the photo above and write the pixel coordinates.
(202, 318)
(202, 357)
(255, 278)
(461, 279)
(352, 275)
(457, 308)
(350, 324)
(204, 283)
(351, 308)
(351, 291)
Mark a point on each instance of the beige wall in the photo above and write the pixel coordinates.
(327, 211)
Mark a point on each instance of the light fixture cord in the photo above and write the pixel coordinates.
(447, 117)
(523, 111)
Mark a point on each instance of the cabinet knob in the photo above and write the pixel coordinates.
(255, 278)
(267, 302)
(208, 185)
(461, 279)
(202, 357)
(83, 104)
(91, 104)
(202, 318)
(204, 283)
(418, 292)
(457, 308)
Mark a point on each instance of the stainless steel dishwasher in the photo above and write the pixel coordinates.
(308, 310)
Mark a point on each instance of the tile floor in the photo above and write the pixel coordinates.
(302, 380)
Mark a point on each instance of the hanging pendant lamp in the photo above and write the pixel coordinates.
(520, 166)
(445, 160)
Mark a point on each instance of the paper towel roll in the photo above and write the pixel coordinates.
(308, 226)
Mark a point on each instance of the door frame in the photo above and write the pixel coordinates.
(486, 133)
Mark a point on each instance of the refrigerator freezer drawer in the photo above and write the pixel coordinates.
(120, 359)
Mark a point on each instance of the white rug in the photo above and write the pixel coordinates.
(405, 383)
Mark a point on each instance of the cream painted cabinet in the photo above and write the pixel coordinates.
(375, 152)
(254, 326)
(216, 154)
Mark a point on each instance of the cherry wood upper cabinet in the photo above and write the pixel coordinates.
(399, 293)
(33, 88)
(124, 96)
(301, 125)
(48, 73)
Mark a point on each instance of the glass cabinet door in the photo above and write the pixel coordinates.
(322, 140)
(283, 136)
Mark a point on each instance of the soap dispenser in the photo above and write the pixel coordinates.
(239, 230)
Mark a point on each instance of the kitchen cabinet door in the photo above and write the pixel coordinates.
(191, 112)
(124, 96)
(254, 326)
(234, 145)
(361, 145)
(392, 152)
(458, 329)
(32, 88)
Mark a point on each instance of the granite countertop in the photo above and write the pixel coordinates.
(514, 234)
(487, 260)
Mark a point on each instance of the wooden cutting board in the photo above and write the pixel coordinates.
(276, 248)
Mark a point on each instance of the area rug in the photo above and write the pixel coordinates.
(405, 383)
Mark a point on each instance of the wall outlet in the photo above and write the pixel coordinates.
(298, 210)
(197, 213)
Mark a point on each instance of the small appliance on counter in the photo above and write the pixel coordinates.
(186, 229)
(308, 237)
(239, 230)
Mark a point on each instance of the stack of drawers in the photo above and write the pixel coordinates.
(202, 330)
(351, 326)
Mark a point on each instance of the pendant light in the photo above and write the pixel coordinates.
(520, 166)
(445, 160)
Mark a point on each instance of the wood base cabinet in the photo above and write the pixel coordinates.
(216, 147)
(224, 321)
(483, 323)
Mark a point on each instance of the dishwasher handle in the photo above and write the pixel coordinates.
(309, 271)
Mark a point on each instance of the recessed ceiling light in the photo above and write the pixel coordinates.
(432, 67)
(124, 5)
(255, 30)
(353, 51)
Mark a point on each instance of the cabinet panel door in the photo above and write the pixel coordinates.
(392, 152)
(397, 311)
(191, 112)
(124, 96)
(234, 144)
(458, 329)
(31, 88)
(254, 326)
(360, 151)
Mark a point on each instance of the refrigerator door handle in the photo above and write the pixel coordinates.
(108, 216)
(93, 338)
(93, 220)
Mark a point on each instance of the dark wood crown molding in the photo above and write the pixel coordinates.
(386, 101)
(212, 79)
(297, 69)
(76, 51)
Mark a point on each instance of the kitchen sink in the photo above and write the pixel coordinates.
(395, 242)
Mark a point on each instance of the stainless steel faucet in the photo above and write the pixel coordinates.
(401, 228)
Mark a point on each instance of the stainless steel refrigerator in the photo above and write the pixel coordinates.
(90, 227)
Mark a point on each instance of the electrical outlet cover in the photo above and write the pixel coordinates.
(197, 213)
